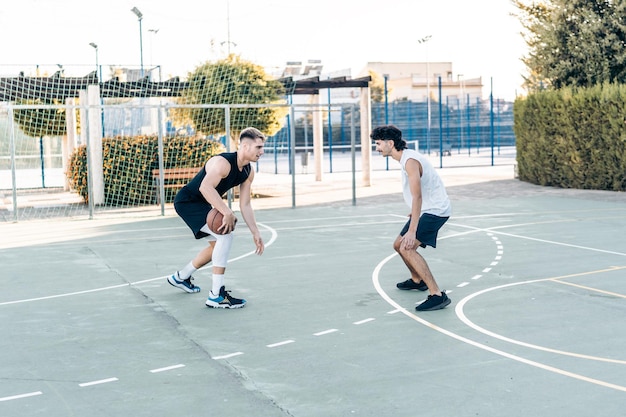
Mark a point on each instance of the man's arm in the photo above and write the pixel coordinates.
(414, 171)
(217, 168)
(248, 213)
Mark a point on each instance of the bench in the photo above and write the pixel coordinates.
(173, 178)
(446, 149)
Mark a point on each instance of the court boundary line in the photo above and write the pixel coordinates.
(463, 317)
(463, 339)
(134, 283)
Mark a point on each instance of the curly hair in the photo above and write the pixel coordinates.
(389, 132)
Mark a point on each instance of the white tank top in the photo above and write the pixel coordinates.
(434, 196)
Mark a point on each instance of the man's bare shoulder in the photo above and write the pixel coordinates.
(217, 165)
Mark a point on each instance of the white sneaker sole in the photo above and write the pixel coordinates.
(178, 285)
(213, 304)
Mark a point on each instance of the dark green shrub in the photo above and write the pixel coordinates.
(573, 138)
(127, 164)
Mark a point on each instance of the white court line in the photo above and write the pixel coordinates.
(552, 242)
(461, 314)
(50, 297)
(17, 397)
(128, 284)
(284, 342)
(230, 355)
(386, 297)
(322, 333)
(167, 368)
(101, 381)
(364, 321)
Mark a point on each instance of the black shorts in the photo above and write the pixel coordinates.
(427, 229)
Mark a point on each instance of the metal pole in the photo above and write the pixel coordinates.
(386, 76)
(292, 145)
(469, 129)
(478, 125)
(491, 118)
(89, 166)
(141, 46)
(43, 174)
(440, 125)
(330, 135)
(425, 40)
(99, 71)
(140, 18)
(161, 189)
(353, 153)
(229, 194)
(13, 175)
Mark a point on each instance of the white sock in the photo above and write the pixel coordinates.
(218, 282)
(186, 272)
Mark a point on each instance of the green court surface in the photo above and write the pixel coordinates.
(537, 278)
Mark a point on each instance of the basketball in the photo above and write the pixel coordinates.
(214, 220)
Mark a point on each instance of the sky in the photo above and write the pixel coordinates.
(479, 37)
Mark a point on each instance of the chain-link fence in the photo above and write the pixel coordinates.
(133, 155)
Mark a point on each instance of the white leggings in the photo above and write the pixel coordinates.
(222, 247)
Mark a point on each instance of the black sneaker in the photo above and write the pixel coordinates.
(185, 285)
(434, 302)
(409, 284)
(224, 300)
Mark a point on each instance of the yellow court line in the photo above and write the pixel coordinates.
(461, 314)
(584, 287)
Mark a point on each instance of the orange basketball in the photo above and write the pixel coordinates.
(214, 221)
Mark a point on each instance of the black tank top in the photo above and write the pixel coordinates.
(191, 191)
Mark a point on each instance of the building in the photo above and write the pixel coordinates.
(415, 81)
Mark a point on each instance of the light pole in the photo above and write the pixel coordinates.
(425, 40)
(99, 75)
(154, 32)
(460, 79)
(386, 77)
(139, 17)
(98, 69)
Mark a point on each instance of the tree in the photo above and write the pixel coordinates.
(377, 87)
(232, 81)
(576, 43)
(38, 122)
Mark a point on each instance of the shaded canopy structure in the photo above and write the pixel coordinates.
(59, 88)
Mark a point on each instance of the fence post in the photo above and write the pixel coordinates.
(366, 143)
(12, 146)
(229, 194)
(95, 139)
(353, 153)
(292, 154)
(161, 189)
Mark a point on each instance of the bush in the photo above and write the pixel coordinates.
(573, 138)
(128, 163)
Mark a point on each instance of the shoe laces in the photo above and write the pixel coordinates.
(227, 296)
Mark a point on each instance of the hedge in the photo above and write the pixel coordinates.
(573, 138)
(128, 163)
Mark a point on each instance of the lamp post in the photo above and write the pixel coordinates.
(153, 32)
(98, 69)
(139, 17)
(425, 40)
(99, 75)
(386, 77)
(460, 80)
